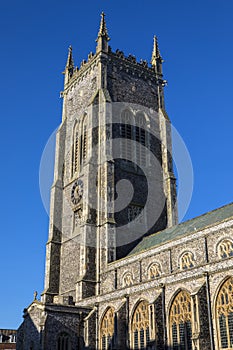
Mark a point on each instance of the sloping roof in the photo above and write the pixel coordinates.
(199, 223)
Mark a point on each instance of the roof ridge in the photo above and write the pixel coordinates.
(189, 220)
(201, 222)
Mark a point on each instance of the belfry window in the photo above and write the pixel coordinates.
(225, 249)
(133, 137)
(140, 137)
(126, 133)
(140, 326)
(180, 322)
(63, 342)
(83, 141)
(224, 310)
(76, 150)
(107, 330)
(80, 145)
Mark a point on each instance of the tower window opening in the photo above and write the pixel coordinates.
(80, 145)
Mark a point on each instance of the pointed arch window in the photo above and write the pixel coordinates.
(133, 129)
(225, 249)
(76, 150)
(140, 137)
(63, 342)
(80, 145)
(107, 330)
(127, 134)
(180, 322)
(154, 271)
(187, 261)
(83, 141)
(140, 326)
(224, 310)
(127, 279)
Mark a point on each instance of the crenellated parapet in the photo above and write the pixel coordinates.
(128, 63)
(104, 54)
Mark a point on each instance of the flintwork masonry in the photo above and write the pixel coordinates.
(121, 273)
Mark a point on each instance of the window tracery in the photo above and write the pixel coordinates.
(134, 212)
(83, 141)
(76, 150)
(225, 249)
(224, 310)
(127, 279)
(80, 144)
(180, 322)
(126, 133)
(63, 342)
(140, 137)
(140, 326)
(129, 131)
(187, 261)
(107, 330)
(154, 271)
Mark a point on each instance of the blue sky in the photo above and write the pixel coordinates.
(195, 40)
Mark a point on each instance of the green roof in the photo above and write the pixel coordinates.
(199, 223)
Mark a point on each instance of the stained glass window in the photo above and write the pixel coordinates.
(107, 330)
(180, 322)
(140, 326)
(224, 311)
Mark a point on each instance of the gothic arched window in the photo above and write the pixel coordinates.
(224, 310)
(63, 341)
(186, 261)
(107, 330)
(127, 134)
(154, 271)
(76, 160)
(80, 144)
(180, 322)
(140, 326)
(225, 249)
(140, 137)
(83, 141)
(127, 279)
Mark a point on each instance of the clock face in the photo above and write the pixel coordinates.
(77, 191)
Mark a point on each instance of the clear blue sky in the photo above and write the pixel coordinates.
(196, 42)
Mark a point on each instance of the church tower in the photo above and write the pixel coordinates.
(120, 273)
(113, 177)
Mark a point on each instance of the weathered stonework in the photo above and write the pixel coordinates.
(87, 271)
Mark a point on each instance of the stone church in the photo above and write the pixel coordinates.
(121, 273)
